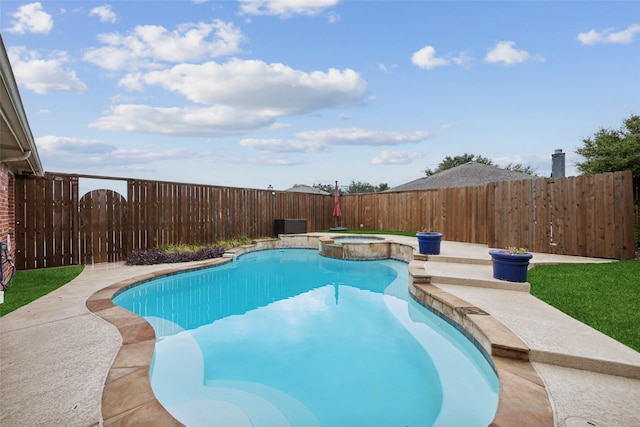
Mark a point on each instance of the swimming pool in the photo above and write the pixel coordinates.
(288, 337)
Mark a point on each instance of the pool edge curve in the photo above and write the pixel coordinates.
(128, 399)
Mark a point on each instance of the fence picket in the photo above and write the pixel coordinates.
(586, 215)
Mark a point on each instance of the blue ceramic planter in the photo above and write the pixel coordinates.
(429, 242)
(510, 267)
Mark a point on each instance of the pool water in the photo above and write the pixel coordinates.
(290, 338)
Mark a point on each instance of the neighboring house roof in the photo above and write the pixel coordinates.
(301, 188)
(17, 147)
(466, 175)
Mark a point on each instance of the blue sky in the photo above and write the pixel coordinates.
(253, 93)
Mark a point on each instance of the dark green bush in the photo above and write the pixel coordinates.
(156, 256)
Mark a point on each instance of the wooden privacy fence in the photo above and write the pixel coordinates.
(56, 228)
(587, 216)
(460, 213)
(168, 213)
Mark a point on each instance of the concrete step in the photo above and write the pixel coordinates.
(462, 257)
(463, 274)
(459, 259)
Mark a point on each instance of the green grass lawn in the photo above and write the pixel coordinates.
(604, 296)
(30, 285)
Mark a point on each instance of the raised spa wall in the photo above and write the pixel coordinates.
(355, 250)
(375, 250)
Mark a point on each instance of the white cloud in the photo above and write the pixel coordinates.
(280, 125)
(515, 159)
(504, 52)
(268, 161)
(132, 82)
(72, 146)
(44, 75)
(279, 145)
(151, 153)
(537, 162)
(275, 89)
(285, 8)
(104, 12)
(389, 157)
(61, 152)
(357, 136)
(387, 69)
(238, 97)
(463, 59)
(147, 45)
(608, 36)
(30, 18)
(312, 141)
(426, 58)
(208, 121)
(591, 37)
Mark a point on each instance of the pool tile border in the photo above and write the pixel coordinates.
(128, 399)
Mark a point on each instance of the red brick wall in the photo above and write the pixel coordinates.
(7, 212)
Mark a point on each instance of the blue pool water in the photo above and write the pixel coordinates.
(290, 338)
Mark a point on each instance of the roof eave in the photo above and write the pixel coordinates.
(26, 159)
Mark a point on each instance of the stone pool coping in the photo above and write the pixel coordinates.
(128, 399)
(523, 399)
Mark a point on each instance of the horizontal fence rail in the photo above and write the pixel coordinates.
(459, 213)
(55, 228)
(587, 216)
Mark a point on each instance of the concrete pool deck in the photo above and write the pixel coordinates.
(57, 357)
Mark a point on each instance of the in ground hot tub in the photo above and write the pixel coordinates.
(356, 247)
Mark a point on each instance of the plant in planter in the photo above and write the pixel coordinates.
(510, 264)
(429, 242)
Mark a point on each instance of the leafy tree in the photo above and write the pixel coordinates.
(360, 187)
(451, 162)
(354, 187)
(612, 150)
(326, 187)
(519, 167)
